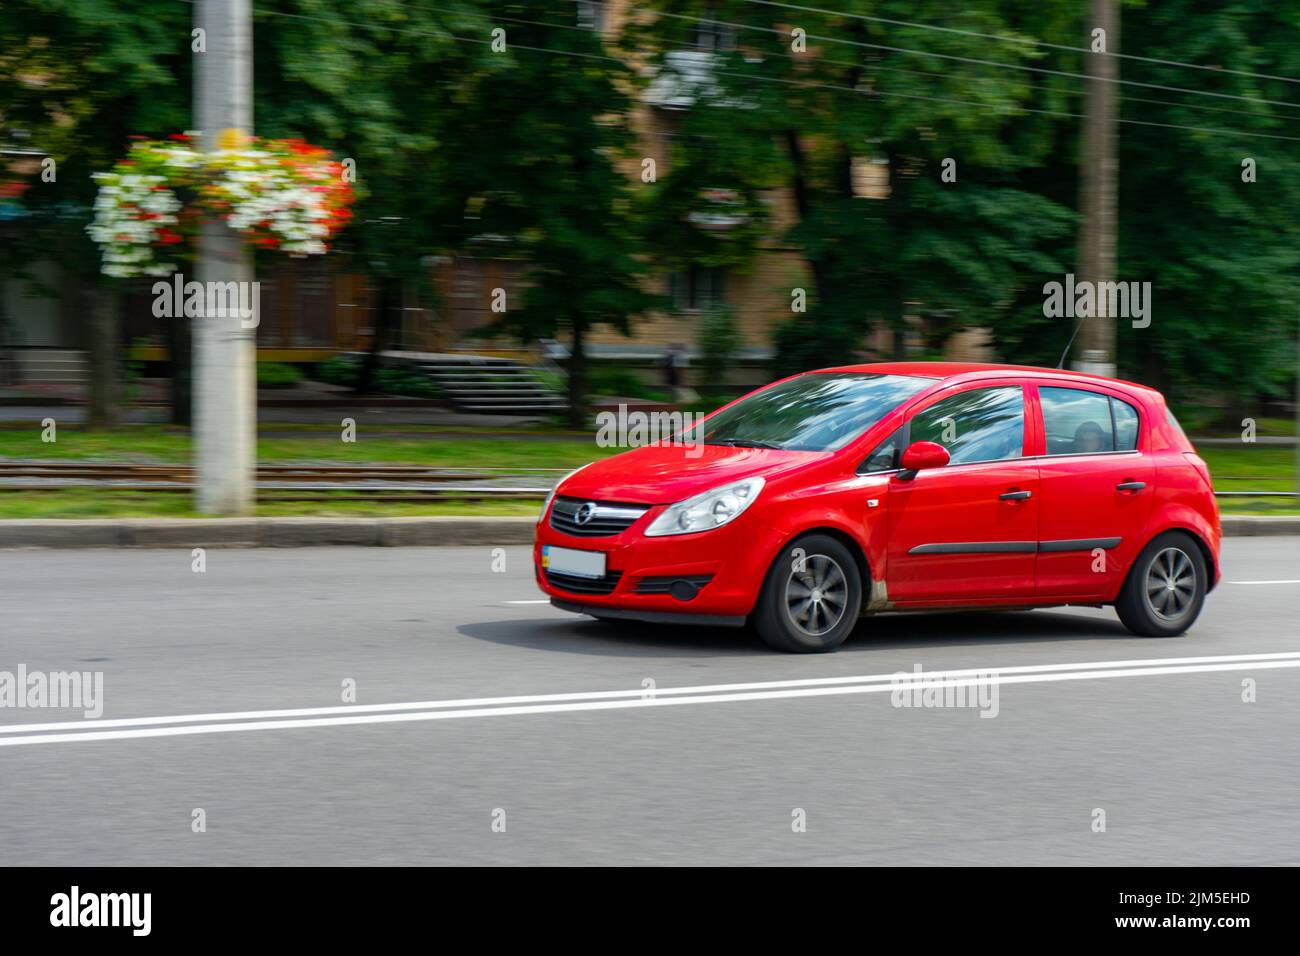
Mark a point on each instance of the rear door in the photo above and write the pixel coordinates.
(1097, 487)
(966, 533)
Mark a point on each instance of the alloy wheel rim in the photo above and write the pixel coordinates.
(816, 595)
(1170, 584)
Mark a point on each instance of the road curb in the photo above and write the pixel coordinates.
(355, 532)
(263, 532)
(1248, 525)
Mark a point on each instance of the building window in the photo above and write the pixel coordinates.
(697, 289)
(591, 15)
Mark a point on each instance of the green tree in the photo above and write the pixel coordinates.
(76, 80)
(534, 155)
(1223, 255)
(373, 80)
(808, 116)
(378, 82)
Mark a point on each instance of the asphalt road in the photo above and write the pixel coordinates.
(1185, 770)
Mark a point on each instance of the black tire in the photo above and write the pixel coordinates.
(1165, 587)
(828, 573)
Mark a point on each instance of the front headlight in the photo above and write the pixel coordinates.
(705, 512)
(551, 497)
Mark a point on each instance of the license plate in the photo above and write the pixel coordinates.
(582, 564)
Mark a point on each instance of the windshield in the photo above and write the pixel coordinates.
(816, 412)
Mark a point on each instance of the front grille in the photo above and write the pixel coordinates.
(579, 585)
(602, 518)
(661, 585)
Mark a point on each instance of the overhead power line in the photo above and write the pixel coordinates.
(766, 79)
(1024, 40)
(887, 69)
(998, 64)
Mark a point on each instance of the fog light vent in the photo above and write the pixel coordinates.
(684, 587)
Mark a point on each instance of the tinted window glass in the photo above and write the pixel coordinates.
(1076, 422)
(1126, 425)
(983, 424)
(886, 455)
(817, 412)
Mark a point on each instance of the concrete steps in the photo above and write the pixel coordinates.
(485, 384)
(50, 367)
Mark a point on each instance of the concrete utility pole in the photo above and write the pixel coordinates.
(225, 353)
(1094, 350)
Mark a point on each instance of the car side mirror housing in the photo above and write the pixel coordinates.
(921, 454)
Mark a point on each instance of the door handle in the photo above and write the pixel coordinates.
(1130, 486)
(1015, 495)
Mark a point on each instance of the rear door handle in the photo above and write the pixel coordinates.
(1130, 486)
(1015, 495)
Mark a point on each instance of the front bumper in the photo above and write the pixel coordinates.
(708, 577)
(653, 617)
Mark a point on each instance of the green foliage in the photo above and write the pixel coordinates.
(717, 347)
(277, 375)
(955, 254)
(534, 153)
(531, 155)
(400, 380)
(617, 382)
(345, 370)
(1223, 255)
(342, 370)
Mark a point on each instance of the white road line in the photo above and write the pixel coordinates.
(662, 698)
(471, 702)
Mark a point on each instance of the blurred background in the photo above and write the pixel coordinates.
(567, 205)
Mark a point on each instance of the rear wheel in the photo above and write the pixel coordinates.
(1165, 588)
(811, 597)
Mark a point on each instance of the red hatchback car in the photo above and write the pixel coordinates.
(892, 487)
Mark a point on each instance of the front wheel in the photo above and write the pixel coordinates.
(811, 597)
(1165, 588)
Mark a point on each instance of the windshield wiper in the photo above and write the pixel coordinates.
(745, 443)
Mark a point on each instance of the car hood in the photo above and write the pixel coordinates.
(662, 474)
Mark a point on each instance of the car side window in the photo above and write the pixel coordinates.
(1076, 422)
(981, 424)
(887, 454)
(1126, 425)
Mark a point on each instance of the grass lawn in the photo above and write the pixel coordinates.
(97, 503)
(159, 443)
(1264, 426)
(1242, 467)
(1250, 467)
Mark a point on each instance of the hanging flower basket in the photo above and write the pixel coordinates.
(279, 194)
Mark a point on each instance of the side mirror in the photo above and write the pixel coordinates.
(921, 454)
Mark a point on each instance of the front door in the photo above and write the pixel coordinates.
(967, 532)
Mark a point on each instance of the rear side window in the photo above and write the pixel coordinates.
(982, 424)
(1126, 425)
(1177, 427)
(1076, 422)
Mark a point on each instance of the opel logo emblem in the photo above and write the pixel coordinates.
(585, 512)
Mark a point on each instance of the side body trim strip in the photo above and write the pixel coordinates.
(1016, 547)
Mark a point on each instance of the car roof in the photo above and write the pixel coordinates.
(977, 370)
